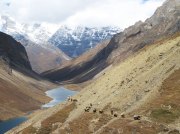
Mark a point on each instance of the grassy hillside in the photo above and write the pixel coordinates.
(146, 84)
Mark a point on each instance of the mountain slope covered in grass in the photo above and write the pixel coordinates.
(132, 88)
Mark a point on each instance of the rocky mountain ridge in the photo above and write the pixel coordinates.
(164, 22)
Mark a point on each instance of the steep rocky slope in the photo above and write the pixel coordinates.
(163, 23)
(13, 51)
(21, 89)
(43, 58)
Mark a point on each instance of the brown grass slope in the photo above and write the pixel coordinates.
(20, 94)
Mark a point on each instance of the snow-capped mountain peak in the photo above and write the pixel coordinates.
(37, 32)
(77, 40)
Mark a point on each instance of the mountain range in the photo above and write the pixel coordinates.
(49, 45)
(42, 55)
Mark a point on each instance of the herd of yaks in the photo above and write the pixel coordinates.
(88, 108)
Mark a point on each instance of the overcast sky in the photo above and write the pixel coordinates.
(120, 13)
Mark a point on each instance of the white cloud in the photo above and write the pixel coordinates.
(83, 12)
(121, 13)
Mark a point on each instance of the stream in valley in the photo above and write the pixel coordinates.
(58, 95)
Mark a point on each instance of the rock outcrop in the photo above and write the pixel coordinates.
(13, 52)
(165, 22)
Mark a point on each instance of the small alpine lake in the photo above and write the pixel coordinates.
(11, 123)
(58, 95)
